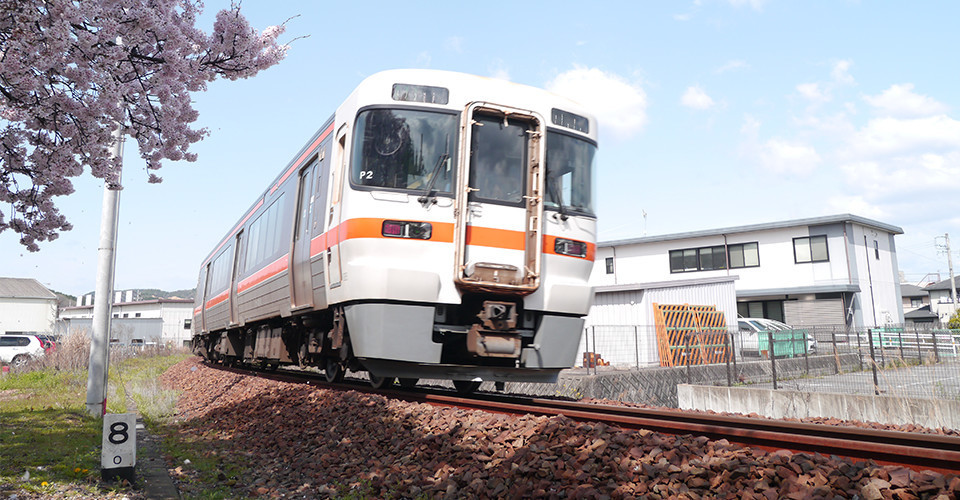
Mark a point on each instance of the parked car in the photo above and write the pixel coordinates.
(754, 337)
(17, 350)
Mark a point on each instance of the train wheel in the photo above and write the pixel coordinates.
(333, 371)
(466, 387)
(381, 382)
(408, 383)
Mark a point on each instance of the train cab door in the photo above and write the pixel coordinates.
(301, 278)
(498, 223)
(337, 173)
(234, 278)
(202, 288)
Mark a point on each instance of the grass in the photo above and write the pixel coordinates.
(49, 443)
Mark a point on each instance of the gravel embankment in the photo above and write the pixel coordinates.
(305, 442)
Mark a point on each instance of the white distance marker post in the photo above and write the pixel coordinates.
(119, 452)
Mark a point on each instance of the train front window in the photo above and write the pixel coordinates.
(571, 166)
(404, 149)
(498, 159)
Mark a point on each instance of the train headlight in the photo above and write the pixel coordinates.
(407, 229)
(570, 247)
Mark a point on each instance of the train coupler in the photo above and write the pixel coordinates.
(493, 344)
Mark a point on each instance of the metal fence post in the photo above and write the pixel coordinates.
(593, 330)
(873, 364)
(687, 358)
(636, 343)
(836, 355)
(900, 341)
(727, 358)
(806, 357)
(919, 353)
(773, 359)
(936, 349)
(860, 349)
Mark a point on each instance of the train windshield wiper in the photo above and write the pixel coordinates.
(429, 196)
(552, 184)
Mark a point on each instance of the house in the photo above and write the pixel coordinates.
(916, 306)
(838, 270)
(162, 321)
(941, 300)
(26, 307)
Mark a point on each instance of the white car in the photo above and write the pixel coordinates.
(751, 329)
(17, 350)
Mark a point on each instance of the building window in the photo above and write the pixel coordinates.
(136, 315)
(770, 309)
(609, 262)
(187, 323)
(810, 249)
(126, 315)
(744, 255)
(876, 249)
(697, 259)
(916, 302)
(714, 258)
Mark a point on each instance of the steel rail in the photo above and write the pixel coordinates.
(917, 451)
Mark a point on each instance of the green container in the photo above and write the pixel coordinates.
(786, 343)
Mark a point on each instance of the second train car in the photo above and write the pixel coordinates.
(438, 225)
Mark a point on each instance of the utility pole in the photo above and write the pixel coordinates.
(106, 261)
(953, 286)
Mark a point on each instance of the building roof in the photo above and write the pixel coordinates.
(943, 285)
(921, 313)
(812, 221)
(908, 290)
(24, 288)
(800, 290)
(665, 284)
(136, 303)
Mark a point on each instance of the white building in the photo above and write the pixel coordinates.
(163, 321)
(833, 270)
(26, 306)
(941, 300)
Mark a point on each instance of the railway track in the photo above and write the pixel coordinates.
(917, 451)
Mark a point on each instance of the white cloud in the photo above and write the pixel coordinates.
(620, 105)
(785, 157)
(454, 44)
(907, 176)
(813, 92)
(841, 72)
(855, 205)
(732, 65)
(776, 155)
(754, 4)
(892, 136)
(696, 98)
(499, 71)
(902, 101)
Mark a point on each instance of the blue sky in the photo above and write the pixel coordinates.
(712, 114)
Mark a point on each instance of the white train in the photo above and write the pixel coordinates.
(438, 225)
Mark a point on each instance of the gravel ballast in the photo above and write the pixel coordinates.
(299, 441)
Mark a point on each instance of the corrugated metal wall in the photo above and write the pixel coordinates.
(813, 312)
(620, 326)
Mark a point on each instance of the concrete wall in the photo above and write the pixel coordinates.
(933, 413)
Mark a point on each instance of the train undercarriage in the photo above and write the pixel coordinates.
(483, 339)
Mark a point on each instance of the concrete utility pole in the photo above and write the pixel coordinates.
(953, 286)
(106, 261)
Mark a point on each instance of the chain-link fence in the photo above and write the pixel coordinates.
(908, 361)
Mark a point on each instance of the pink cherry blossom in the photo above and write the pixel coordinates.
(71, 71)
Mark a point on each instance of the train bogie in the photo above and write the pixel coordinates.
(438, 226)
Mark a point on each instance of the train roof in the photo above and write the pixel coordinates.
(463, 89)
